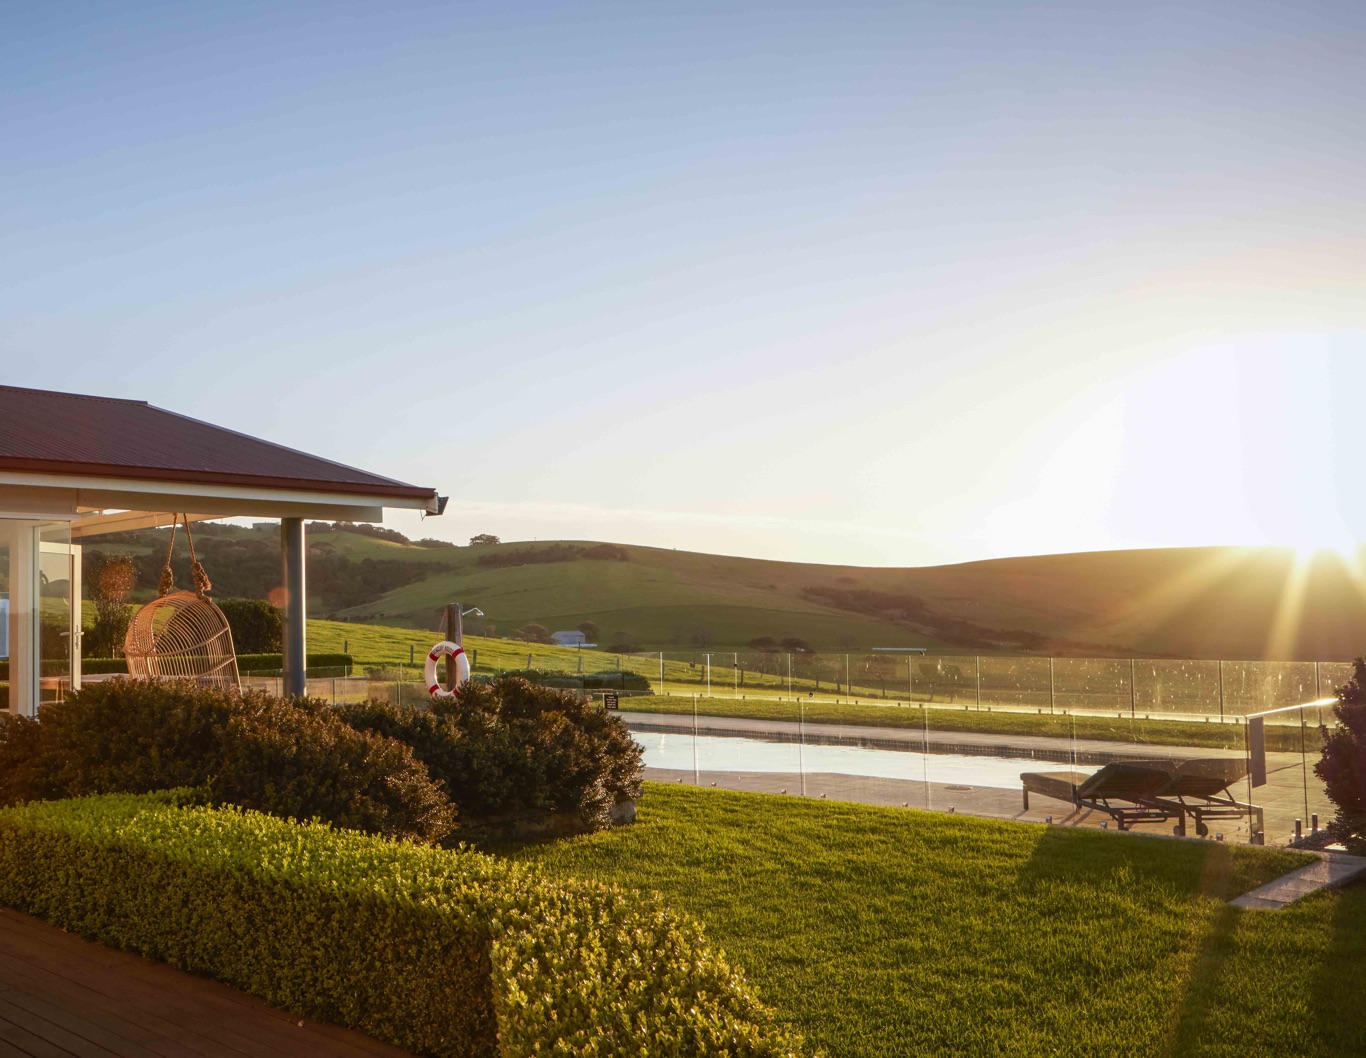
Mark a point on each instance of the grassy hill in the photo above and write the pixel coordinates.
(1188, 602)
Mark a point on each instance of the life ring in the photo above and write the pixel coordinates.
(445, 649)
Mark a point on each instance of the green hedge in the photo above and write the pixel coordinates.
(245, 663)
(588, 681)
(441, 952)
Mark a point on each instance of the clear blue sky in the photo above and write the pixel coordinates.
(841, 282)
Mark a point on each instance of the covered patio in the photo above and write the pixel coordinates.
(75, 466)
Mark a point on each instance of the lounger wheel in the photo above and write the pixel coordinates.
(1202, 829)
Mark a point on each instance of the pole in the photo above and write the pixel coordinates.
(789, 674)
(1133, 693)
(709, 676)
(847, 688)
(1221, 689)
(979, 681)
(295, 653)
(661, 672)
(1052, 688)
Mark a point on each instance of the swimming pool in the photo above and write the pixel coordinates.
(720, 753)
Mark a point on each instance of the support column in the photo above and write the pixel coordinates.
(294, 635)
(24, 605)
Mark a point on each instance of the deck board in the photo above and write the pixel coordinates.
(65, 997)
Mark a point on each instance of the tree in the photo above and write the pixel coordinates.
(110, 587)
(765, 643)
(484, 538)
(793, 645)
(589, 629)
(1343, 764)
(533, 633)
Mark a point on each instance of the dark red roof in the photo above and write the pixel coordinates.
(66, 433)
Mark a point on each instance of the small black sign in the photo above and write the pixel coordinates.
(609, 699)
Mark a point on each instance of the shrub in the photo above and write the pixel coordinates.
(1343, 764)
(512, 751)
(255, 625)
(289, 758)
(445, 953)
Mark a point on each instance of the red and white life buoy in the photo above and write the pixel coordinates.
(445, 649)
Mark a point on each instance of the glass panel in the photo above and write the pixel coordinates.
(58, 638)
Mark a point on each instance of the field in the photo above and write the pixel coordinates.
(1186, 602)
(882, 933)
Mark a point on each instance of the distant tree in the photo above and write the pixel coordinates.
(1343, 764)
(700, 638)
(112, 583)
(589, 629)
(255, 624)
(793, 645)
(432, 542)
(624, 643)
(767, 644)
(533, 633)
(484, 538)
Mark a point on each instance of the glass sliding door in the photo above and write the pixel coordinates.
(59, 611)
(40, 588)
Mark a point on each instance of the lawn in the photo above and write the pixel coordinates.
(884, 932)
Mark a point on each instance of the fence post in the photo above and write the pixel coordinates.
(789, 674)
(910, 679)
(661, 672)
(1221, 689)
(1133, 693)
(1052, 688)
(847, 688)
(709, 676)
(979, 681)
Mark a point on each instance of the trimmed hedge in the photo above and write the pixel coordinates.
(287, 757)
(440, 952)
(245, 663)
(588, 681)
(511, 752)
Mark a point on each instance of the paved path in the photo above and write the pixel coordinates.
(1332, 870)
(64, 997)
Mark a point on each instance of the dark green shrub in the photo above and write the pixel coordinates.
(20, 777)
(440, 952)
(290, 758)
(510, 750)
(255, 625)
(1343, 764)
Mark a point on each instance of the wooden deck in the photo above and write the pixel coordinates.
(63, 996)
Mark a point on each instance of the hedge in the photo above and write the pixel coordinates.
(291, 757)
(264, 663)
(588, 681)
(512, 753)
(441, 952)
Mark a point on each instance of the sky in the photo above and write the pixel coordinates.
(881, 284)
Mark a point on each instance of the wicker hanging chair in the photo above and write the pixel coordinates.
(182, 635)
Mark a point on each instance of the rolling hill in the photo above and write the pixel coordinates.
(1189, 602)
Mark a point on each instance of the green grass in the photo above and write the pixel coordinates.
(882, 933)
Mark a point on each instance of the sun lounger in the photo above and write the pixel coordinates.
(1151, 791)
(1203, 789)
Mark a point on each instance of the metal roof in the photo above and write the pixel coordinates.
(76, 435)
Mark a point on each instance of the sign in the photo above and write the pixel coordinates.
(609, 699)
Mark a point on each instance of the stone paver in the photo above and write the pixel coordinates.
(1332, 869)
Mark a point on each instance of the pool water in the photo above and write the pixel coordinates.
(683, 752)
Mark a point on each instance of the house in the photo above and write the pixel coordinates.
(570, 639)
(74, 466)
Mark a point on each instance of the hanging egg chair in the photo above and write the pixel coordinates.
(182, 635)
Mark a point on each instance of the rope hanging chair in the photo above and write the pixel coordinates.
(182, 634)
